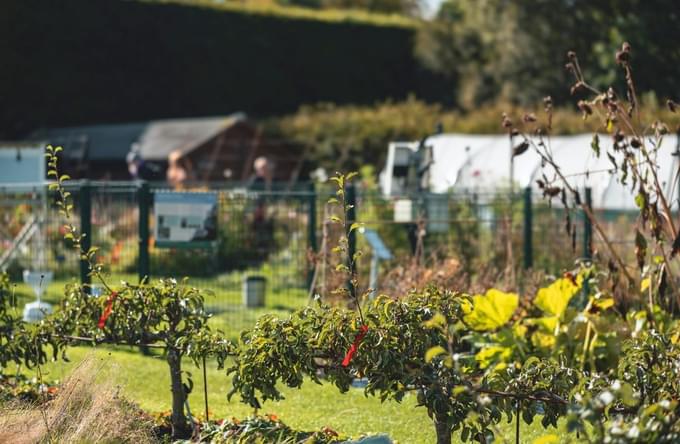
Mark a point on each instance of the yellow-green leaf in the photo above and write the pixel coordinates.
(437, 321)
(553, 300)
(491, 354)
(546, 324)
(491, 310)
(547, 439)
(603, 303)
(644, 285)
(433, 352)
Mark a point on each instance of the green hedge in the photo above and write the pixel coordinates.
(83, 61)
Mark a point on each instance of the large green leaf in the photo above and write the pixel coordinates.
(491, 310)
(553, 300)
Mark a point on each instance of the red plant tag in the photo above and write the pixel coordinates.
(355, 345)
(107, 310)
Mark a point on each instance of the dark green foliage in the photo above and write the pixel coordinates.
(112, 61)
(260, 429)
(515, 50)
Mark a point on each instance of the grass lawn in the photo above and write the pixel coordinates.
(145, 380)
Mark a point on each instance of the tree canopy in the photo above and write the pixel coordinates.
(515, 51)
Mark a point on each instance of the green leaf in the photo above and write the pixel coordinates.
(433, 352)
(595, 145)
(641, 200)
(554, 299)
(492, 310)
(627, 395)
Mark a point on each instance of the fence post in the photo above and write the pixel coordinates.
(311, 229)
(143, 200)
(528, 230)
(588, 228)
(86, 231)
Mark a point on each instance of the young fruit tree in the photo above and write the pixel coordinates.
(165, 314)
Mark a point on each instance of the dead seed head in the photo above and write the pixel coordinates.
(672, 106)
(552, 191)
(660, 128)
(578, 86)
(529, 117)
(585, 108)
(507, 123)
(618, 136)
(611, 94)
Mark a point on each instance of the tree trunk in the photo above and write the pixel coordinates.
(180, 426)
(443, 429)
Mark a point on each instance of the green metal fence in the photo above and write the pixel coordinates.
(277, 236)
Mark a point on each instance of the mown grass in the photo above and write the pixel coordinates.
(145, 380)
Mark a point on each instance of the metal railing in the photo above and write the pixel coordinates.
(275, 235)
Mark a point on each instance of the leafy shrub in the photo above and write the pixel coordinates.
(260, 429)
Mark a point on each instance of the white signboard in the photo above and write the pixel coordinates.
(184, 219)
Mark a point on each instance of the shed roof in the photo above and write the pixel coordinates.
(161, 137)
(95, 142)
(155, 139)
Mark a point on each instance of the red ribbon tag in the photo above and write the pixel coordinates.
(107, 310)
(355, 345)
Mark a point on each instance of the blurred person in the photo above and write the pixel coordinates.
(139, 169)
(262, 222)
(180, 171)
(261, 179)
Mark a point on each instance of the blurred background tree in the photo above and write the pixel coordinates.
(514, 51)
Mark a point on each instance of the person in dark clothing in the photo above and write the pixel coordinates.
(262, 176)
(263, 224)
(139, 169)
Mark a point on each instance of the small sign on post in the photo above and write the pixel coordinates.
(380, 252)
(185, 219)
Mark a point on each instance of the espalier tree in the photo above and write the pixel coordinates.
(399, 346)
(166, 314)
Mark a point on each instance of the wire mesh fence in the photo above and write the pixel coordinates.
(267, 243)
